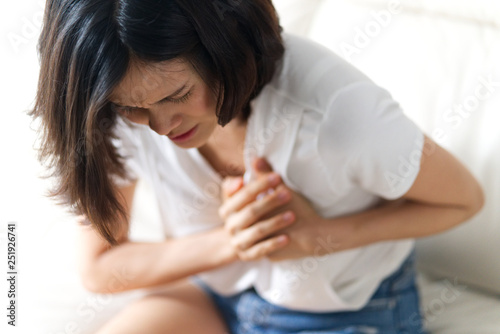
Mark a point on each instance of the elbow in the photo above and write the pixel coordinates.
(476, 202)
(104, 281)
(93, 280)
(480, 199)
(91, 283)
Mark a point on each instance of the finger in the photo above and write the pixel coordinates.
(231, 185)
(247, 194)
(254, 211)
(262, 230)
(264, 248)
(260, 165)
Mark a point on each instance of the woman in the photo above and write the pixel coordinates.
(193, 95)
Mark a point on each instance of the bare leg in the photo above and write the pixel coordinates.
(180, 308)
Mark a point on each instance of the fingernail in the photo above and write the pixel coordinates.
(288, 216)
(274, 178)
(283, 194)
(282, 239)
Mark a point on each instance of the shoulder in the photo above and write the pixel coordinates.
(311, 74)
(312, 86)
(321, 114)
(320, 96)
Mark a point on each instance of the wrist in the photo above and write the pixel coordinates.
(225, 253)
(341, 233)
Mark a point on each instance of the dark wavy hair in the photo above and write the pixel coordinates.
(85, 49)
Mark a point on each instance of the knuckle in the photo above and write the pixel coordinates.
(253, 188)
(237, 244)
(252, 254)
(278, 220)
(252, 211)
(261, 252)
(275, 224)
(222, 213)
(263, 184)
(230, 227)
(275, 244)
(271, 201)
(270, 197)
(260, 230)
(244, 256)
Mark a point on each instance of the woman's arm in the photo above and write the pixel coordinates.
(132, 265)
(443, 195)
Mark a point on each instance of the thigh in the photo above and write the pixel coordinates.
(179, 308)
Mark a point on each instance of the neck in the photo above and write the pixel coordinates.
(224, 149)
(228, 138)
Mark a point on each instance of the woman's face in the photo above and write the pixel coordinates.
(170, 98)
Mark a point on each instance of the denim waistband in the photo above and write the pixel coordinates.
(393, 309)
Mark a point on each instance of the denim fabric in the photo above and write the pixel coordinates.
(393, 309)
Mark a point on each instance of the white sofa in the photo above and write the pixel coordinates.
(431, 55)
(440, 60)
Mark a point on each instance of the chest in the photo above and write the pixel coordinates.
(225, 163)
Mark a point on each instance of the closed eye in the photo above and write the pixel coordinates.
(125, 110)
(181, 99)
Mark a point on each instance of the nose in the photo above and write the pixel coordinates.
(164, 125)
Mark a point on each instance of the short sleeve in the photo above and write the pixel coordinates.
(366, 132)
(127, 145)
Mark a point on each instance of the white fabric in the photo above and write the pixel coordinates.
(481, 11)
(444, 71)
(450, 306)
(333, 136)
(297, 15)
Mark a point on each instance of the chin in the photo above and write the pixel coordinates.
(194, 143)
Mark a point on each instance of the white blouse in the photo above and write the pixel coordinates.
(335, 137)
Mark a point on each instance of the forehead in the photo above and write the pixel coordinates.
(145, 83)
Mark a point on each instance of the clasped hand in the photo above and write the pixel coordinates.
(280, 225)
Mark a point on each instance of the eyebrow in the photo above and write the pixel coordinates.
(178, 91)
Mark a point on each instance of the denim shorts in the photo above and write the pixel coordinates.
(393, 309)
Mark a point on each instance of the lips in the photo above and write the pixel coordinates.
(185, 135)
